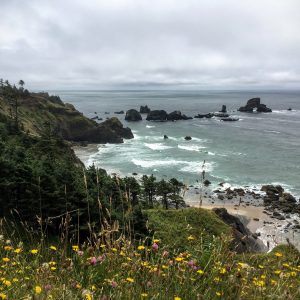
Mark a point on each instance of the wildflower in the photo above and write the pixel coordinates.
(277, 272)
(222, 271)
(48, 287)
(260, 266)
(37, 289)
(218, 294)
(144, 295)
(156, 241)
(88, 296)
(93, 260)
(80, 253)
(7, 283)
(179, 259)
(34, 251)
(2, 296)
(78, 286)
(190, 238)
(201, 272)
(273, 282)
(75, 248)
(53, 268)
(5, 259)
(8, 248)
(177, 298)
(278, 254)
(141, 247)
(154, 247)
(18, 250)
(114, 283)
(129, 279)
(286, 265)
(53, 248)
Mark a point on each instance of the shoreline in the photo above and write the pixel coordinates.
(269, 230)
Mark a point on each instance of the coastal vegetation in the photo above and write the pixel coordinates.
(71, 232)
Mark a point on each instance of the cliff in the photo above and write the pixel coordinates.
(36, 111)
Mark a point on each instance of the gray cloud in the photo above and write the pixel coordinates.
(159, 43)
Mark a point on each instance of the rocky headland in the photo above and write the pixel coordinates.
(38, 112)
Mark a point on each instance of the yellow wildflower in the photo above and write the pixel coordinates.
(155, 241)
(200, 272)
(129, 279)
(190, 238)
(3, 296)
(277, 272)
(218, 294)
(18, 250)
(7, 282)
(5, 259)
(278, 254)
(38, 289)
(34, 251)
(141, 247)
(222, 271)
(8, 248)
(144, 295)
(75, 247)
(88, 296)
(53, 248)
(177, 298)
(179, 259)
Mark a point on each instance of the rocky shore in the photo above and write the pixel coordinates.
(268, 212)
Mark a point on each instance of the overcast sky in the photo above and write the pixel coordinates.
(205, 44)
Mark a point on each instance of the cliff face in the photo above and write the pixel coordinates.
(39, 109)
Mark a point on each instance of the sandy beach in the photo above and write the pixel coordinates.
(254, 216)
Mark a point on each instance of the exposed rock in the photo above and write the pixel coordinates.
(207, 116)
(230, 119)
(157, 115)
(206, 182)
(165, 137)
(133, 115)
(110, 131)
(220, 115)
(121, 112)
(254, 103)
(176, 115)
(188, 138)
(223, 110)
(290, 109)
(144, 109)
(263, 108)
(243, 240)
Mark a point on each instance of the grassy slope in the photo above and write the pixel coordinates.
(172, 226)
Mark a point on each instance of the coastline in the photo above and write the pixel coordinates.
(269, 230)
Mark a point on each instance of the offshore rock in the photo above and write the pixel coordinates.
(144, 109)
(133, 115)
(157, 115)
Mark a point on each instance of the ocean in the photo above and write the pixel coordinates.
(260, 148)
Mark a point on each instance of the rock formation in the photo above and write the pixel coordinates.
(223, 110)
(176, 115)
(254, 103)
(157, 115)
(144, 109)
(133, 115)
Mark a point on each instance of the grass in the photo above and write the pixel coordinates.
(186, 258)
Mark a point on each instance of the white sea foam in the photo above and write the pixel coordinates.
(186, 166)
(150, 126)
(272, 131)
(157, 146)
(191, 147)
(197, 167)
(153, 163)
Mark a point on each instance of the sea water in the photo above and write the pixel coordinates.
(260, 148)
